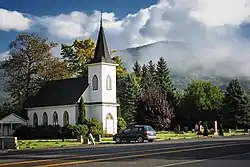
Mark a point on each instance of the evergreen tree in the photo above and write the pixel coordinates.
(164, 82)
(82, 112)
(151, 69)
(128, 100)
(236, 111)
(137, 69)
(148, 76)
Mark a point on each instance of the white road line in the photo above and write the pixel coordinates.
(202, 160)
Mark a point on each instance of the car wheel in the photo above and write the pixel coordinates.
(140, 139)
(150, 140)
(118, 140)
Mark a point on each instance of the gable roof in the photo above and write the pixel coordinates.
(58, 92)
(101, 50)
(13, 118)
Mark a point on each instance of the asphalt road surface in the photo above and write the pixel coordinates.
(215, 152)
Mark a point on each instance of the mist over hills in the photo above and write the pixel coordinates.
(183, 60)
(187, 62)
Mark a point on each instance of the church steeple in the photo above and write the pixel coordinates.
(101, 50)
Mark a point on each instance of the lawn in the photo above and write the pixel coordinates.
(34, 144)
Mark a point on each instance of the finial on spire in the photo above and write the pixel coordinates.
(101, 18)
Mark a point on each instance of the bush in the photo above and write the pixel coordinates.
(83, 130)
(70, 132)
(39, 132)
(94, 126)
(121, 124)
(24, 132)
(50, 132)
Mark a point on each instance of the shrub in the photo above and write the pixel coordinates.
(83, 130)
(95, 126)
(24, 132)
(70, 131)
(121, 124)
(39, 132)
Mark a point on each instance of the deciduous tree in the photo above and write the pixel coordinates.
(202, 96)
(77, 55)
(30, 65)
(154, 109)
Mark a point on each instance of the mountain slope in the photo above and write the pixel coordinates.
(185, 62)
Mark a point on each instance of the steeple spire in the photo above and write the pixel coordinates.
(101, 50)
(101, 19)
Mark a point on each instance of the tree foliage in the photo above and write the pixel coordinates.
(77, 55)
(163, 80)
(82, 112)
(128, 94)
(120, 70)
(30, 65)
(202, 96)
(236, 104)
(154, 109)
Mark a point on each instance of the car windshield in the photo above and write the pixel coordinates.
(149, 128)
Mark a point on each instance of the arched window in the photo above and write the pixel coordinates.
(35, 120)
(108, 83)
(55, 118)
(109, 116)
(45, 119)
(65, 118)
(95, 82)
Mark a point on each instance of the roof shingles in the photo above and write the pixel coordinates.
(58, 92)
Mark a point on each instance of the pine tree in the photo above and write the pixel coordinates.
(151, 69)
(137, 69)
(164, 82)
(148, 76)
(128, 100)
(236, 111)
(82, 112)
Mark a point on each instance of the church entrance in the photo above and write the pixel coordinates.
(110, 124)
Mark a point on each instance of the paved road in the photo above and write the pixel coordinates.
(230, 152)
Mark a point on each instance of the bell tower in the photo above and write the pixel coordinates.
(102, 104)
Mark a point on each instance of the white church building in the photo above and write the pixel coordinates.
(57, 102)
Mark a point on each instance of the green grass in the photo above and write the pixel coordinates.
(35, 144)
(164, 135)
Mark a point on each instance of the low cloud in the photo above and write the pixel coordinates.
(4, 55)
(13, 20)
(205, 37)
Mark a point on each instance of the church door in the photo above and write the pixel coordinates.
(110, 124)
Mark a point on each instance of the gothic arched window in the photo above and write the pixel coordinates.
(55, 118)
(35, 120)
(108, 83)
(95, 82)
(65, 118)
(45, 119)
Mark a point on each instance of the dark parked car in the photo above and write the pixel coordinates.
(138, 133)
